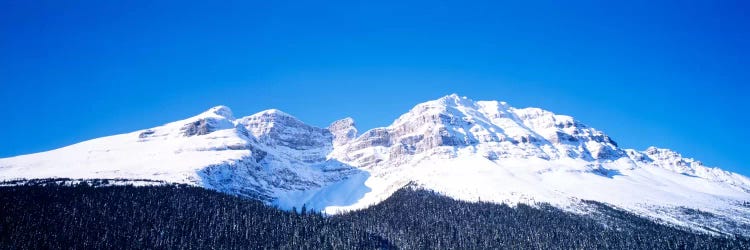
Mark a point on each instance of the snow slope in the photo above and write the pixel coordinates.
(269, 155)
(469, 150)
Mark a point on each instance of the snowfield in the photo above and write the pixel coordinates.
(468, 150)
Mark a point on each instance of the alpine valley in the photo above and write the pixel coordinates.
(463, 149)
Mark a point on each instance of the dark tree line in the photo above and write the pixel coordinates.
(161, 217)
(419, 219)
(45, 215)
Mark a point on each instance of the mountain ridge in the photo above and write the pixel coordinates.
(466, 149)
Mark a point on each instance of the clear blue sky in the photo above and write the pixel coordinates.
(672, 74)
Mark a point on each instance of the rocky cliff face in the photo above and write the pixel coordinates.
(295, 140)
(343, 131)
(492, 129)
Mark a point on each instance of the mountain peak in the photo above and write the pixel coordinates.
(270, 117)
(221, 111)
(348, 121)
(343, 131)
(455, 100)
(440, 105)
(452, 96)
(273, 112)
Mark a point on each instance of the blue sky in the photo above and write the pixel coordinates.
(672, 74)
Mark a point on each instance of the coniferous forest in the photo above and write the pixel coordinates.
(54, 216)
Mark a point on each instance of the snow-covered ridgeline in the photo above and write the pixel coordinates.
(466, 149)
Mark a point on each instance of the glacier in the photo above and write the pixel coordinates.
(469, 150)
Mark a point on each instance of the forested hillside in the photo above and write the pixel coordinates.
(54, 216)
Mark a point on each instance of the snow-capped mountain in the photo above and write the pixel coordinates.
(469, 150)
